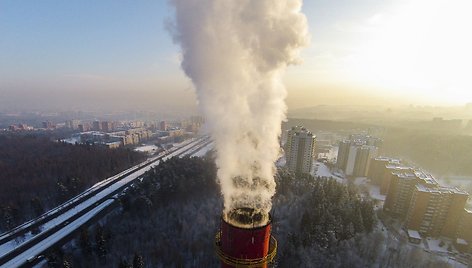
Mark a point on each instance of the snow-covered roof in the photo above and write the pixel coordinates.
(461, 241)
(414, 234)
(440, 190)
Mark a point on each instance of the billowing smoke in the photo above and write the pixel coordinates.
(235, 52)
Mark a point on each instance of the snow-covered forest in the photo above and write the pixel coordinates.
(37, 173)
(170, 220)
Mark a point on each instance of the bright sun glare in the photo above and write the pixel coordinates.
(422, 49)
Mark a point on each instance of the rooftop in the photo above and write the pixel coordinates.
(440, 190)
(388, 159)
(301, 130)
(397, 167)
(404, 174)
(423, 175)
(414, 234)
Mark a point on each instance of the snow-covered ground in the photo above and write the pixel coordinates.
(331, 155)
(10, 245)
(72, 140)
(374, 192)
(434, 245)
(204, 150)
(181, 145)
(54, 238)
(360, 181)
(147, 148)
(281, 161)
(321, 170)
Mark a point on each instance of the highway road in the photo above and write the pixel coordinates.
(19, 246)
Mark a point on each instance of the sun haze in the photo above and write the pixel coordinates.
(414, 52)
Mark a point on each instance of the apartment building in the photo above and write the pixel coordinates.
(436, 211)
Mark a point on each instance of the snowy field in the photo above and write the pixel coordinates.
(147, 149)
(374, 192)
(204, 150)
(321, 170)
(434, 245)
(72, 140)
(331, 155)
(281, 161)
(438, 247)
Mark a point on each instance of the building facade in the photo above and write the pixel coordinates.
(96, 126)
(364, 155)
(426, 207)
(299, 150)
(378, 167)
(436, 211)
(464, 231)
(355, 154)
(400, 193)
(343, 154)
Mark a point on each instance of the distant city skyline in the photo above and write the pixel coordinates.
(366, 52)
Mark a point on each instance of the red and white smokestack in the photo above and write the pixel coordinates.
(244, 239)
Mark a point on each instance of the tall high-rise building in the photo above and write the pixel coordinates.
(106, 126)
(363, 156)
(163, 125)
(72, 124)
(96, 125)
(354, 155)
(47, 125)
(300, 149)
(84, 127)
(288, 144)
(351, 158)
(343, 154)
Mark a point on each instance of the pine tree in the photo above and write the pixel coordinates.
(36, 206)
(66, 264)
(138, 261)
(100, 242)
(124, 264)
(85, 243)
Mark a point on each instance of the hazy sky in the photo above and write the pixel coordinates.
(362, 51)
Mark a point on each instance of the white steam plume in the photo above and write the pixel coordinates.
(235, 52)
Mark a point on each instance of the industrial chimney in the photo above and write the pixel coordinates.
(244, 239)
